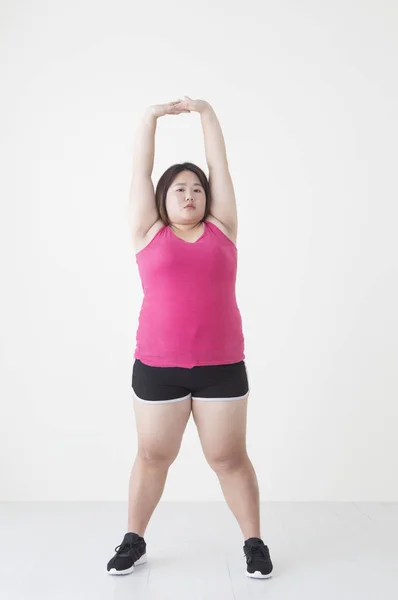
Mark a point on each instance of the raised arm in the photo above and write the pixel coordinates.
(144, 144)
(142, 210)
(216, 154)
(223, 202)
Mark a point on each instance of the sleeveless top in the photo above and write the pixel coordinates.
(189, 314)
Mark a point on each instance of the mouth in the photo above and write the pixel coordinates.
(189, 206)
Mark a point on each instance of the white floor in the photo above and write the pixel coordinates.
(320, 551)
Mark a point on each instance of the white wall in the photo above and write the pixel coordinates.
(306, 93)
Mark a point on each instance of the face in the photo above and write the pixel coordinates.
(186, 189)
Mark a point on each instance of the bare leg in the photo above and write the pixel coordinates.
(222, 431)
(147, 481)
(240, 488)
(160, 428)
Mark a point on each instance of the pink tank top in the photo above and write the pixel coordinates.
(189, 314)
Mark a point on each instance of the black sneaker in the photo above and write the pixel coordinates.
(258, 560)
(131, 552)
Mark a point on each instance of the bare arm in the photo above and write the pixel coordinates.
(216, 155)
(144, 145)
(142, 211)
(223, 204)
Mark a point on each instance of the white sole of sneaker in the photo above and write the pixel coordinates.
(258, 575)
(140, 561)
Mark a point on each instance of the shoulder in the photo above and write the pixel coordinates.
(232, 235)
(224, 228)
(140, 242)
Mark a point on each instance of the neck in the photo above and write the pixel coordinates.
(187, 227)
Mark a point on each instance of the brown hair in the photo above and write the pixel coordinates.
(167, 179)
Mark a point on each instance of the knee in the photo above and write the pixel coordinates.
(227, 462)
(152, 456)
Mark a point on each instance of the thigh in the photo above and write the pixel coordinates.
(160, 428)
(222, 429)
(219, 409)
(160, 423)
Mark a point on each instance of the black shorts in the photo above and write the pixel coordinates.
(174, 384)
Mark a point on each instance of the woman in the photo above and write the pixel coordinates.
(190, 347)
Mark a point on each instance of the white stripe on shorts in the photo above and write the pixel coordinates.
(160, 401)
(220, 399)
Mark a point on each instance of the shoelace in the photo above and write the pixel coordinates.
(126, 546)
(258, 549)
